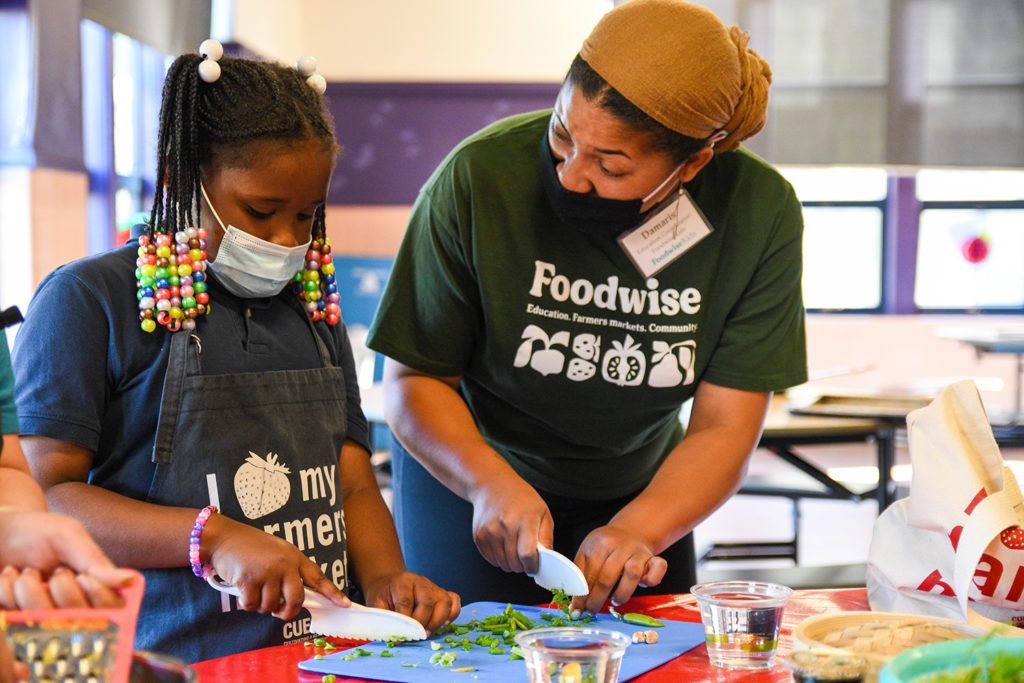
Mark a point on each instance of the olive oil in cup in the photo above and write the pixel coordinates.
(741, 621)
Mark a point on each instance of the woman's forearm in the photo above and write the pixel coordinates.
(703, 471)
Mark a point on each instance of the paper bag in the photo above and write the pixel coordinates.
(958, 537)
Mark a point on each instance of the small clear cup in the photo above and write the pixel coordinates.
(572, 654)
(741, 621)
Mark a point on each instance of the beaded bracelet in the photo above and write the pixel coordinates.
(198, 568)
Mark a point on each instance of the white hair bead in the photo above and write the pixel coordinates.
(209, 70)
(318, 83)
(211, 48)
(306, 66)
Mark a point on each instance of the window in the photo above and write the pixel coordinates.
(970, 240)
(843, 236)
(122, 80)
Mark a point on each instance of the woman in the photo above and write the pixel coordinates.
(568, 279)
(145, 412)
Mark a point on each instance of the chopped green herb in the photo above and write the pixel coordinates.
(329, 678)
(319, 642)
(329, 646)
(387, 653)
(561, 599)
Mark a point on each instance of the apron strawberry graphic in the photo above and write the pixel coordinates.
(261, 485)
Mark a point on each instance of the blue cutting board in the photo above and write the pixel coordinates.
(675, 638)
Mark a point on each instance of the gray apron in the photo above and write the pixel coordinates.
(264, 447)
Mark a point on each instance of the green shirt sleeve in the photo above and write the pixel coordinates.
(763, 344)
(8, 412)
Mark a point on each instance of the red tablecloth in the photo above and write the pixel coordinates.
(281, 663)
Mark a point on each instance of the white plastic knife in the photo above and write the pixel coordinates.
(356, 622)
(558, 572)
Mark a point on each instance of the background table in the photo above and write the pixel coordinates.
(281, 663)
(785, 433)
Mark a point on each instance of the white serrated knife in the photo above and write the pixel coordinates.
(558, 572)
(356, 622)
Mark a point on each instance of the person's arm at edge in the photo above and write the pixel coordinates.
(724, 429)
(19, 490)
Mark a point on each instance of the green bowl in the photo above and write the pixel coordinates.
(945, 656)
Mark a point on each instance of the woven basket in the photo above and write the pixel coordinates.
(877, 636)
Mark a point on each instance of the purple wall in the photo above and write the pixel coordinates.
(393, 135)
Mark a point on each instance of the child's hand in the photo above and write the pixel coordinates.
(269, 572)
(415, 596)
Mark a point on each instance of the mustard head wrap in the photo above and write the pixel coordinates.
(680, 65)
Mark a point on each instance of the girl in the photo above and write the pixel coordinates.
(217, 386)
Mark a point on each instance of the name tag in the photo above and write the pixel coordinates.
(666, 235)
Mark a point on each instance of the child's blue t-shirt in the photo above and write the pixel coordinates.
(87, 374)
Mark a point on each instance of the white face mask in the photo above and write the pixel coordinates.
(249, 267)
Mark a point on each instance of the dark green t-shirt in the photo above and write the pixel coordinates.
(573, 364)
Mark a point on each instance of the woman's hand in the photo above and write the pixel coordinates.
(615, 562)
(509, 519)
(269, 572)
(414, 596)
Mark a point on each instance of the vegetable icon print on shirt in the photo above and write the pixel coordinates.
(546, 361)
(668, 359)
(625, 364)
(588, 348)
(261, 485)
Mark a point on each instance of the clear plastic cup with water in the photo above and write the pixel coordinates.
(572, 654)
(741, 621)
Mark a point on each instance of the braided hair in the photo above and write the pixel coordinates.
(217, 122)
(220, 123)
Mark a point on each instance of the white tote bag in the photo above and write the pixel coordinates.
(958, 537)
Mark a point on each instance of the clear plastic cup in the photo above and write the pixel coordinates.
(741, 621)
(572, 655)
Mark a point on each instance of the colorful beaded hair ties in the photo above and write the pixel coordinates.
(316, 284)
(171, 279)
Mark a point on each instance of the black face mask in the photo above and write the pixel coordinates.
(587, 213)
